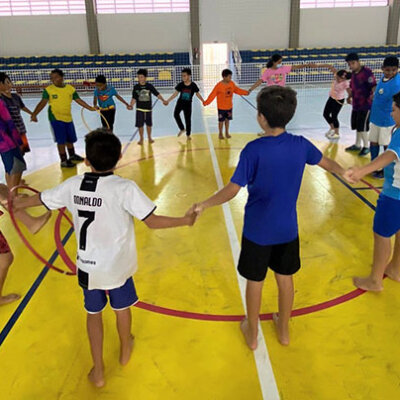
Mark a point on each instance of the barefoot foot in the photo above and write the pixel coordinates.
(140, 142)
(96, 376)
(126, 352)
(283, 332)
(367, 284)
(151, 140)
(221, 137)
(228, 136)
(250, 339)
(9, 298)
(39, 222)
(392, 273)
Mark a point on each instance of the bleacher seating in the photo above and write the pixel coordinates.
(320, 53)
(94, 60)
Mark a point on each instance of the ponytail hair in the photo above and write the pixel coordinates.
(274, 59)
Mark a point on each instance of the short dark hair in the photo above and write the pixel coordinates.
(103, 149)
(4, 77)
(58, 72)
(143, 72)
(277, 104)
(101, 79)
(187, 71)
(396, 99)
(352, 57)
(391, 61)
(226, 72)
(342, 73)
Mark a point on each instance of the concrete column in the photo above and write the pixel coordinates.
(294, 29)
(393, 22)
(195, 30)
(93, 30)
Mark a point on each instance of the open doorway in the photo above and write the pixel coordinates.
(214, 60)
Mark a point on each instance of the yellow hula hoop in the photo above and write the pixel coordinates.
(86, 124)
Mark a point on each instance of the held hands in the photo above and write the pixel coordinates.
(165, 102)
(349, 100)
(34, 118)
(353, 175)
(129, 107)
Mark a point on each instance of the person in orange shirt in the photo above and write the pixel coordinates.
(224, 91)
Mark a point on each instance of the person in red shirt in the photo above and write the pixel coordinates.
(224, 91)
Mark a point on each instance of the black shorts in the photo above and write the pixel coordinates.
(143, 118)
(360, 121)
(224, 115)
(254, 260)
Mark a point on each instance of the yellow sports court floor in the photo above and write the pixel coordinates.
(188, 342)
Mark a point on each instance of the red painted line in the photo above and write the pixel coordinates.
(235, 318)
(57, 238)
(371, 186)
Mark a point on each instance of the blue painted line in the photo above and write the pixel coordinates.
(354, 191)
(17, 313)
(369, 188)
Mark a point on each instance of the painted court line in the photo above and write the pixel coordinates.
(266, 376)
(13, 319)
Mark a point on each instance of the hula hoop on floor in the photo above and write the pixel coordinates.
(86, 124)
(22, 236)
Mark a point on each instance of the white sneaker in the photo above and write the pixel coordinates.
(334, 136)
(329, 133)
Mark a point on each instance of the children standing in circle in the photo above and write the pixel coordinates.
(103, 99)
(141, 95)
(60, 97)
(15, 104)
(382, 123)
(362, 87)
(337, 96)
(186, 90)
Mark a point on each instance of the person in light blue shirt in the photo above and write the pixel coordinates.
(387, 213)
(103, 100)
(272, 169)
(381, 120)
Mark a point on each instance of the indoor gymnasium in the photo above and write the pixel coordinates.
(195, 199)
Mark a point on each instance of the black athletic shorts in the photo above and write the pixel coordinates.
(360, 121)
(225, 115)
(143, 118)
(255, 260)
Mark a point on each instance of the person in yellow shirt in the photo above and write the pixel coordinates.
(59, 96)
(224, 91)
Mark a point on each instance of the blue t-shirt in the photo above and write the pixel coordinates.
(105, 97)
(383, 100)
(391, 186)
(272, 168)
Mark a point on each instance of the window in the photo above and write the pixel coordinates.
(141, 6)
(341, 3)
(41, 7)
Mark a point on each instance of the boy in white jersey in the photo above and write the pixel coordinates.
(102, 205)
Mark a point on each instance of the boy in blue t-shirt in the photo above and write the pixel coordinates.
(103, 95)
(387, 213)
(381, 121)
(272, 169)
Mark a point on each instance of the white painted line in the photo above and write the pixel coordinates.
(266, 376)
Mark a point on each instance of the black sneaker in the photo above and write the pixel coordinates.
(364, 151)
(67, 164)
(76, 158)
(378, 174)
(353, 148)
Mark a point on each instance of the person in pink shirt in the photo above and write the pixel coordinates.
(340, 89)
(276, 73)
